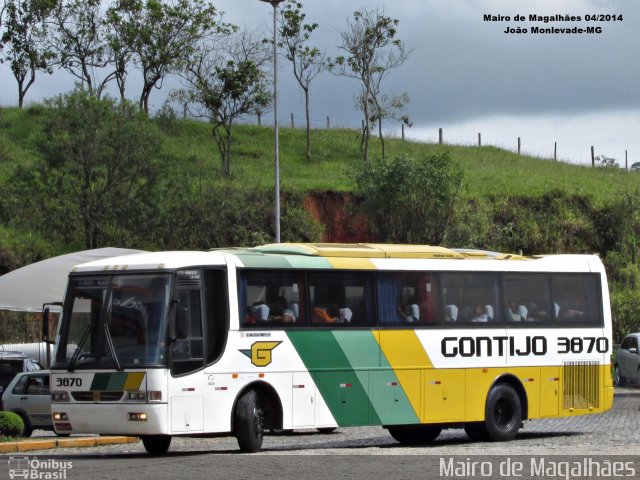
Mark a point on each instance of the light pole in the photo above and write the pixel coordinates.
(274, 4)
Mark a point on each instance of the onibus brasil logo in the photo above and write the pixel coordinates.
(260, 353)
(34, 468)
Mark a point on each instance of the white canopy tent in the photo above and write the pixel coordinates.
(26, 289)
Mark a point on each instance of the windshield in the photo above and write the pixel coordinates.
(117, 321)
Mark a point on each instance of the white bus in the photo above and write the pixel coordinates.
(292, 336)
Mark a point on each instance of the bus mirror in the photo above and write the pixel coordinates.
(45, 325)
(47, 317)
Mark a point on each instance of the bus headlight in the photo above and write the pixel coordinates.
(57, 416)
(59, 397)
(137, 396)
(137, 416)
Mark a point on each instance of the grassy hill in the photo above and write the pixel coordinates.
(488, 171)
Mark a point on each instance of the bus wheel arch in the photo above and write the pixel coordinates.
(257, 408)
(505, 408)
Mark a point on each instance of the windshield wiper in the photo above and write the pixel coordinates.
(76, 353)
(112, 349)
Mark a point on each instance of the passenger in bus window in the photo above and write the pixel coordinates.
(282, 313)
(450, 313)
(514, 312)
(406, 314)
(321, 315)
(480, 315)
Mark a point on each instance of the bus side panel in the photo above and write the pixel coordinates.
(444, 395)
(343, 388)
(549, 391)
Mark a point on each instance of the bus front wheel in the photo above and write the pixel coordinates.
(156, 444)
(249, 423)
(503, 413)
(415, 434)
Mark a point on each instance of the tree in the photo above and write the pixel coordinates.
(409, 200)
(79, 42)
(95, 181)
(307, 62)
(24, 35)
(373, 51)
(383, 106)
(120, 38)
(167, 34)
(603, 161)
(225, 83)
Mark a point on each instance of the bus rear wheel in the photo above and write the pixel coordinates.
(503, 413)
(415, 434)
(249, 423)
(156, 444)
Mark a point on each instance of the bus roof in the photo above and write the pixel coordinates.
(317, 255)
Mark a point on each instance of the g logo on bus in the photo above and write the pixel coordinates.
(96, 396)
(260, 353)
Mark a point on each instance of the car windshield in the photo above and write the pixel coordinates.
(114, 321)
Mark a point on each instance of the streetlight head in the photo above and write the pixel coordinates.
(274, 3)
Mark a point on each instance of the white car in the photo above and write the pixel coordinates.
(627, 365)
(28, 395)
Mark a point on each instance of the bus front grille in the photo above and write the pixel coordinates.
(97, 396)
(581, 385)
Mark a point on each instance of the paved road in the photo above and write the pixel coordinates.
(368, 451)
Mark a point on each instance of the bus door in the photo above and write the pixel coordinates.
(186, 385)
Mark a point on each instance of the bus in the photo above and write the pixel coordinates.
(243, 341)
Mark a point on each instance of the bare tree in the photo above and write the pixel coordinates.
(308, 62)
(373, 51)
(225, 82)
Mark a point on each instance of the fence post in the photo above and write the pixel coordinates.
(626, 161)
(519, 144)
(402, 131)
(479, 139)
(440, 135)
(292, 124)
(555, 151)
(328, 123)
(593, 157)
(184, 111)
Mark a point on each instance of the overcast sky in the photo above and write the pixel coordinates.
(467, 76)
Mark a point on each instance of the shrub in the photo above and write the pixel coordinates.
(409, 200)
(11, 424)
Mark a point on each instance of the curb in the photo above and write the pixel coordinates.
(46, 444)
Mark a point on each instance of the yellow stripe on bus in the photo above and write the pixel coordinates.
(408, 359)
(133, 382)
(351, 263)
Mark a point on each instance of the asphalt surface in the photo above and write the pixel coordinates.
(615, 432)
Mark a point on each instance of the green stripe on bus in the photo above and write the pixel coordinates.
(263, 261)
(100, 381)
(116, 381)
(384, 390)
(339, 385)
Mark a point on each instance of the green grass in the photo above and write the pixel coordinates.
(487, 170)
